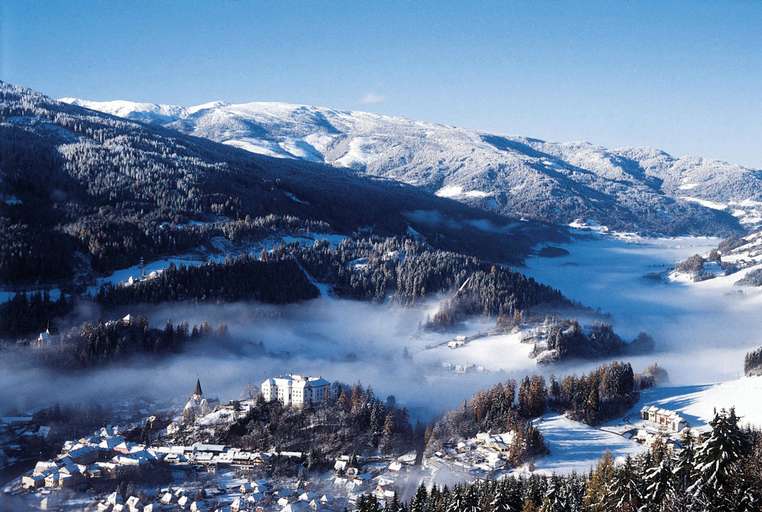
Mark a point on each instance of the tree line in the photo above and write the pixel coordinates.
(406, 270)
(101, 343)
(718, 472)
(597, 396)
(242, 278)
(567, 339)
(27, 314)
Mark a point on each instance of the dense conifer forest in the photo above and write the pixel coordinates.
(27, 314)
(100, 343)
(244, 278)
(406, 270)
(375, 269)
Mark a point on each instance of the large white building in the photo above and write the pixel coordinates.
(296, 390)
(663, 418)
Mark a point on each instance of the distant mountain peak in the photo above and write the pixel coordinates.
(638, 189)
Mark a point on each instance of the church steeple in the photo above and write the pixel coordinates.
(197, 391)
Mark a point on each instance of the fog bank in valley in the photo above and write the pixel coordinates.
(701, 335)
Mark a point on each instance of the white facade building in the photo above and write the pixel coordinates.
(296, 390)
(663, 418)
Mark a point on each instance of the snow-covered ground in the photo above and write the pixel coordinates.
(493, 353)
(575, 446)
(697, 403)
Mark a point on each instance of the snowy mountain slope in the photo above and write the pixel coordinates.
(634, 189)
(82, 192)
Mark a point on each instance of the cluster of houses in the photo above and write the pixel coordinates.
(103, 455)
(377, 475)
(483, 456)
(230, 484)
(234, 493)
(107, 455)
(227, 490)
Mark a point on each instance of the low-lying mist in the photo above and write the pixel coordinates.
(342, 340)
(701, 336)
(702, 330)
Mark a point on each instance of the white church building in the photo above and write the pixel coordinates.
(296, 390)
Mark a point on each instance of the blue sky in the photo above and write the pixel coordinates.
(683, 76)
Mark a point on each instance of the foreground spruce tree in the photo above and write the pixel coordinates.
(716, 464)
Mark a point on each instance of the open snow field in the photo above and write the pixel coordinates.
(697, 403)
(576, 447)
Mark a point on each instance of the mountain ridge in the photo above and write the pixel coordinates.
(80, 188)
(640, 189)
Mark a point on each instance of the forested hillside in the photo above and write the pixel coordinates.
(245, 278)
(85, 191)
(406, 270)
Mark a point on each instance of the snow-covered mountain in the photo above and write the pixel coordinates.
(633, 189)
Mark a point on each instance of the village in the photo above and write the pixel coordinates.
(111, 471)
(202, 476)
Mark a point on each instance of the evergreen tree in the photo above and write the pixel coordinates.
(501, 501)
(624, 493)
(457, 501)
(658, 483)
(418, 504)
(554, 500)
(716, 463)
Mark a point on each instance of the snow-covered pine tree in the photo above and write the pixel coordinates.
(716, 463)
(555, 497)
(457, 500)
(471, 499)
(683, 465)
(659, 483)
(501, 500)
(623, 495)
(418, 503)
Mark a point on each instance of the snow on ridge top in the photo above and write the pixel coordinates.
(124, 108)
(205, 106)
(512, 175)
